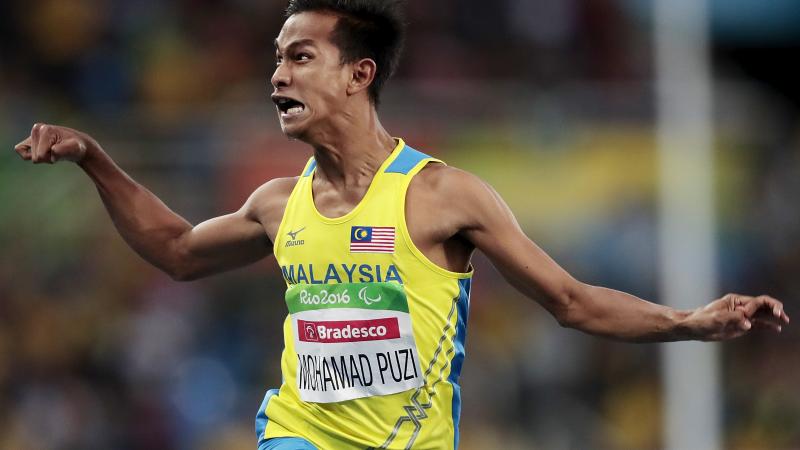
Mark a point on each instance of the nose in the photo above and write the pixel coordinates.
(281, 77)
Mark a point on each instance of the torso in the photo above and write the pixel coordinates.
(356, 265)
(435, 233)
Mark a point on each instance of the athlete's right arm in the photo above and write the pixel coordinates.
(155, 232)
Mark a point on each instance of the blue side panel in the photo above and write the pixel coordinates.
(458, 357)
(406, 160)
(286, 443)
(310, 168)
(261, 417)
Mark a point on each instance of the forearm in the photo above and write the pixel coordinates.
(489, 225)
(618, 315)
(160, 236)
(143, 221)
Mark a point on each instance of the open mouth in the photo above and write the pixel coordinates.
(288, 106)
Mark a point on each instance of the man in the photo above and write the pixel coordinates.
(374, 240)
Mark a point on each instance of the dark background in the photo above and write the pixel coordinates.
(551, 101)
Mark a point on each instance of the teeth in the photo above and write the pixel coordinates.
(295, 110)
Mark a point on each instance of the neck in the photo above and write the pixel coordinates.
(349, 152)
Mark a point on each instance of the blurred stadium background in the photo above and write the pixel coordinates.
(551, 101)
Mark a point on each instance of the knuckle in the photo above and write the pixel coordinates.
(732, 300)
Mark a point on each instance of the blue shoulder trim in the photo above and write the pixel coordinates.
(406, 160)
(310, 168)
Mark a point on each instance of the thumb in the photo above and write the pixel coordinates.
(71, 149)
(738, 319)
(741, 319)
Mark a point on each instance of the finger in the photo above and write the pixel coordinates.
(23, 149)
(35, 133)
(753, 304)
(733, 300)
(747, 305)
(25, 143)
(764, 324)
(774, 304)
(767, 316)
(45, 142)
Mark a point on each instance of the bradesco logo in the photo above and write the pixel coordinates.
(334, 331)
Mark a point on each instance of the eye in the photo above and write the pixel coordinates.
(303, 57)
(278, 60)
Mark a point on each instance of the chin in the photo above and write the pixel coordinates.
(297, 129)
(291, 130)
(294, 131)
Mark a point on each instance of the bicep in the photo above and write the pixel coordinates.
(222, 243)
(235, 239)
(234, 232)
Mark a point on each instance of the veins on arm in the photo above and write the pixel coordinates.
(492, 228)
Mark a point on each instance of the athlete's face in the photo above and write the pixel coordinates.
(310, 82)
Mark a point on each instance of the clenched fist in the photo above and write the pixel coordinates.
(51, 143)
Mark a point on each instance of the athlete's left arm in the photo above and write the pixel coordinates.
(485, 220)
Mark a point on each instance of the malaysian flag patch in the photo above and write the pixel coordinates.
(372, 240)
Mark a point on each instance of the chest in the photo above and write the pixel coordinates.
(332, 203)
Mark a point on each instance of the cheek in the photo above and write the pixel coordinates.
(334, 83)
(328, 98)
(326, 89)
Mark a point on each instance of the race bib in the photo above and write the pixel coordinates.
(353, 340)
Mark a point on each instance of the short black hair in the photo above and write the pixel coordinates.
(372, 29)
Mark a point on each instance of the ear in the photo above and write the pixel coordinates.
(363, 74)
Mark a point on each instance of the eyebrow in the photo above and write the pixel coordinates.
(297, 43)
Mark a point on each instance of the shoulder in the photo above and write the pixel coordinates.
(452, 192)
(450, 184)
(443, 179)
(276, 186)
(270, 199)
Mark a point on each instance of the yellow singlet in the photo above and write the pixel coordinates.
(374, 338)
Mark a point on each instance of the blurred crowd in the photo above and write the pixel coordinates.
(550, 101)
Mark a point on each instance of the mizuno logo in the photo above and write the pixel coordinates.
(293, 241)
(293, 234)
